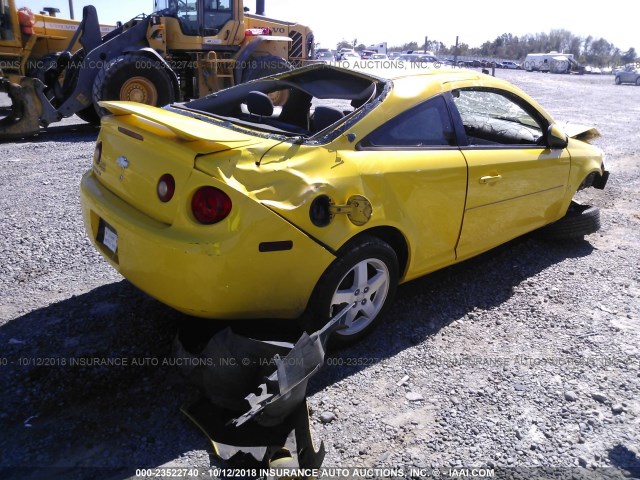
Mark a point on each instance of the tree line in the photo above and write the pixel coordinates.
(587, 50)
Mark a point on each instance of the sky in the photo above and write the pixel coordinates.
(404, 21)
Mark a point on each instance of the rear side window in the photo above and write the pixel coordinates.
(424, 126)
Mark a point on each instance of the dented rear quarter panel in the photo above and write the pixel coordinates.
(214, 271)
(423, 201)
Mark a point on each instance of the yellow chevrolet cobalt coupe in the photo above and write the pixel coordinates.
(230, 207)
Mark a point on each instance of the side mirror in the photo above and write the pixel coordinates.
(556, 138)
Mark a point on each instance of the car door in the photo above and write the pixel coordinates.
(413, 164)
(516, 183)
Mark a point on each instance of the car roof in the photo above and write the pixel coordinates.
(324, 81)
(427, 83)
(415, 88)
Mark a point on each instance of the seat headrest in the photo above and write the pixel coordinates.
(259, 104)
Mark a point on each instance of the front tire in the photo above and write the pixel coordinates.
(135, 78)
(580, 220)
(365, 274)
(618, 81)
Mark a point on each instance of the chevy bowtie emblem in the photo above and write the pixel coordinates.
(122, 161)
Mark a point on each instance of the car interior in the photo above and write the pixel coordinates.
(315, 98)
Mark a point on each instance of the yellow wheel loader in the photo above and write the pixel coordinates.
(183, 50)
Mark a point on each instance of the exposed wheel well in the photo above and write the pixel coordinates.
(588, 181)
(594, 179)
(395, 239)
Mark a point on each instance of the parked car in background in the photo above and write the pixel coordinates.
(511, 65)
(326, 56)
(470, 63)
(588, 69)
(409, 57)
(348, 52)
(379, 56)
(366, 54)
(630, 74)
(226, 207)
(349, 56)
(428, 59)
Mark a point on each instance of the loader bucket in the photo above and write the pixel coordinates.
(22, 117)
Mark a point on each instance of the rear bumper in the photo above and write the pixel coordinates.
(218, 271)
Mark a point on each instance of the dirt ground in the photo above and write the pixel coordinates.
(524, 360)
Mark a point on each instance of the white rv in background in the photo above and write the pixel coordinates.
(378, 47)
(553, 62)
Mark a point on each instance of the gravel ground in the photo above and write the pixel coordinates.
(522, 359)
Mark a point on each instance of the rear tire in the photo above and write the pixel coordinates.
(364, 274)
(618, 81)
(580, 220)
(133, 77)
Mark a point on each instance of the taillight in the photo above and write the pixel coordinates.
(97, 153)
(166, 187)
(210, 205)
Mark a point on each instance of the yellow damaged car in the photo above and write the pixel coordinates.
(230, 207)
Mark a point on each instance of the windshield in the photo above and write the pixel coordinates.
(187, 14)
(215, 14)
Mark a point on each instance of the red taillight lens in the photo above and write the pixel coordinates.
(166, 187)
(97, 153)
(210, 205)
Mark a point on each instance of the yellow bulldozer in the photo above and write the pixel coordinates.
(183, 50)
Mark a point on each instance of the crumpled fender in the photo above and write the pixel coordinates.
(580, 132)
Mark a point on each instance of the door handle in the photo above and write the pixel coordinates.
(491, 179)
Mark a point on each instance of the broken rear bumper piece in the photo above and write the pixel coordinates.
(272, 378)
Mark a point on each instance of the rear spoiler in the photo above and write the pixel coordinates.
(185, 128)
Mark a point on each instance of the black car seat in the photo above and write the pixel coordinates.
(259, 104)
(323, 117)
